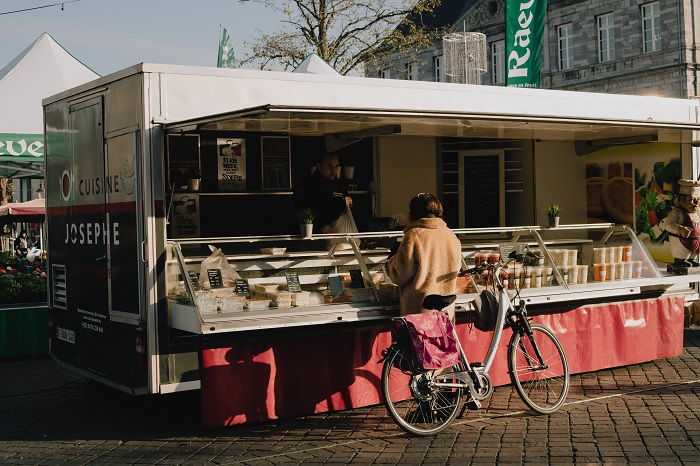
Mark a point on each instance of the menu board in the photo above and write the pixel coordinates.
(215, 279)
(194, 279)
(356, 280)
(242, 287)
(232, 164)
(293, 284)
(482, 191)
(336, 285)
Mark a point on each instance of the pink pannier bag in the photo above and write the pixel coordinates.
(433, 340)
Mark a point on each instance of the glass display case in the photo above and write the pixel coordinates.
(244, 283)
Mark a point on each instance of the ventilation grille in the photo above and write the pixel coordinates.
(58, 274)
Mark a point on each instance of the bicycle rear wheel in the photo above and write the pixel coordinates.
(541, 383)
(412, 399)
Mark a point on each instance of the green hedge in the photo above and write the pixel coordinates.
(22, 288)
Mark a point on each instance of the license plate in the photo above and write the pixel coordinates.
(65, 334)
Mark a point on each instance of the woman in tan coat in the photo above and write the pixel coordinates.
(428, 258)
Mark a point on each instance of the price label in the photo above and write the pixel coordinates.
(293, 284)
(215, 279)
(356, 280)
(242, 287)
(336, 285)
(194, 279)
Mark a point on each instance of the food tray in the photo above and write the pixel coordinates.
(265, 287)
(257, 304)
(300, 298)
(231, 304)
(207, 305)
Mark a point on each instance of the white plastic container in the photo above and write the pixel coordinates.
(257, 304)
(230, 304)
(300, 298)
(207, 305)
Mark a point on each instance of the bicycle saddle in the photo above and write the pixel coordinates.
(436, 302)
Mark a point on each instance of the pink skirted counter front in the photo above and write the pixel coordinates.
(317, 372)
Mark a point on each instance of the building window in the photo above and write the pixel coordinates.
(498, 61)
(384, 74)
(25, 188)
(606, 38)
(651, 27)
(437, 61)
(411, 71)
(566, 47)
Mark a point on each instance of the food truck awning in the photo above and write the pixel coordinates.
(354, 107)
(353, 123)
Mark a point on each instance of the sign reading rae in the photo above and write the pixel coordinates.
(524, 29)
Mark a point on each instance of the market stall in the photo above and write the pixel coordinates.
(140, 301)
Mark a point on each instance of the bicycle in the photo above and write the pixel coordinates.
(425, 402)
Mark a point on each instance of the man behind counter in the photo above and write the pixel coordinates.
(325, 193)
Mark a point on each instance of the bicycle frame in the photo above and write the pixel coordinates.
(505, 306)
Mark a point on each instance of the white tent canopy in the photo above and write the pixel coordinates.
(313, 64)
(43, 69)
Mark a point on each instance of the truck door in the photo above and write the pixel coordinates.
(87, 236)
(126, 278)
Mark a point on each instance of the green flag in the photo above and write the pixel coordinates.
(226, 56)
(524, 30)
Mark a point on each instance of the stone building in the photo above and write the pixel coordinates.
(638, 47)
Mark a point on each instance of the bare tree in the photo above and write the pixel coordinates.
(345, 33)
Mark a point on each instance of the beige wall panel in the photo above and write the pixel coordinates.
(406, 166)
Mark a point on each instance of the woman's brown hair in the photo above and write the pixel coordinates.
(424, 205)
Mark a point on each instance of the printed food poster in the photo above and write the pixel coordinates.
(232, 164)
(185, 216)
(638, 191)
(610, 192)
(656, 188)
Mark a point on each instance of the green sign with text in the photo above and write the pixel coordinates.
(524, 30)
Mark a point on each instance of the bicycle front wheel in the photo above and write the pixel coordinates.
(414, 401)
(538, 369)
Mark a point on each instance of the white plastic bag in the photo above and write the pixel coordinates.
(217, 261)
(345, 223)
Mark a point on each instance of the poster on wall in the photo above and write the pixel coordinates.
(185, 216)
(656, 188)
(232, 164)
(610, 192)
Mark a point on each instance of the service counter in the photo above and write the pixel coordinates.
(304, 320)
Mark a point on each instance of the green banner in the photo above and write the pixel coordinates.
(226, 58)
(524, 29)
(23, 147)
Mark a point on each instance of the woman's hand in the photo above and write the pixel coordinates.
(348, 201)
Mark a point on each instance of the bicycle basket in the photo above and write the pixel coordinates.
(433, 340)
(486, 307)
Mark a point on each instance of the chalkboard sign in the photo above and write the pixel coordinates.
(336, 285)
(215, 279)
(194, 279)
(356, 280)
(242, 287)
(293, 285)
(482, 191)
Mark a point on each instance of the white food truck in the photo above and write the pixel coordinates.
(127, 234)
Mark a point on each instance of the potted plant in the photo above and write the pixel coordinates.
(194, 177)
(306, 221)
(553, 211)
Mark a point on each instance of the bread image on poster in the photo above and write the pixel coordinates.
(610, 193)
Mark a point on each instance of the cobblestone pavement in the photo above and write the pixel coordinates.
(641, 414)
